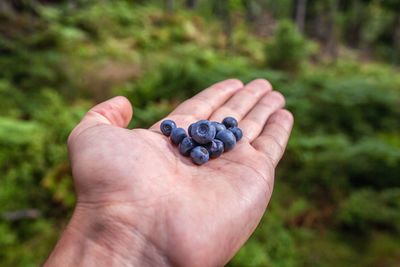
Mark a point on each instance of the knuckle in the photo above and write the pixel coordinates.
(252, 92)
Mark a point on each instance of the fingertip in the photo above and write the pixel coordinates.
(260, 83)
(283, 116)
(229, 85)
(117, 110)
(289, 115)
(236, 82)
(128, 106)
(278, 97)
(124, 103)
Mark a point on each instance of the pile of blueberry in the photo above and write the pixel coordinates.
(207, 139)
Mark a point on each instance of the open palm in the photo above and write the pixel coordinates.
(190, 215)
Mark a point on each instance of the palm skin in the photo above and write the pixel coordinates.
(190, 215)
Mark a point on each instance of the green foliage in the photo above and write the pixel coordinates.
(336, 201)
(271, 245)
(288, 49)
(366, 209)
(378, 20)
(35, 175)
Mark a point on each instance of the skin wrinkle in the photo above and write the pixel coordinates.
(105, 227)
(160, 152)
(146, 239)
(282, 114)
(276, 142)
(110, 112)
(193, 237)
(90, 240)
(238, 190)
(249, 133)
(74, 136)
(255, 93)
(279, 125)
(269, 187)
(177, 160)
(102, 169)
(199, 108)
(269, 104)
(136, 202)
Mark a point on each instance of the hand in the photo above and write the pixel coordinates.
(139, 202)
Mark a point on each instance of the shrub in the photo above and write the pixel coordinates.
(288, 49)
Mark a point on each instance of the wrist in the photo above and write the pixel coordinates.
(99, 236)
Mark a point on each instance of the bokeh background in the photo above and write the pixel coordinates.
(337, 195)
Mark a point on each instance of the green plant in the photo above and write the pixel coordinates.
(288, 49)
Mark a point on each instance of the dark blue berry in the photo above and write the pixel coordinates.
(215, 148)
(227, 138)
(177, 135)
(203, 132)
(230, 122)
(167, 126)
(199, 155)
(190, 129)
(218, 126)
(186, 145)
(237, 133)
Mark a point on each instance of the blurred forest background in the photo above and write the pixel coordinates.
(337, 195)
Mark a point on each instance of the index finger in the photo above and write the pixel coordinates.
(202, 105)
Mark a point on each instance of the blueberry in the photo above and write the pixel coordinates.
(167, 126)
(177, 135)
(186, 145)
(218, 126)
(230, 122)
(228, 138)
(199, 155)
(215, 148)
(237, 133)
(203, 132)
(190, 129)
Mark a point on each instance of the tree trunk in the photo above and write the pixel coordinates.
(250, 8)
(301, 6)
(332, 44)
(222, 11)
(191, 4)
(354, 29)
(6, 9)
(396, 40)
(169, 6)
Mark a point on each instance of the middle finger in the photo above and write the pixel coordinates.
(243, 101)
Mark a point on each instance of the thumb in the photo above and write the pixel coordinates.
(116, 111)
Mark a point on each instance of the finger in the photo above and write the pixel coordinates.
(253, 123)
(116, 111)
(202, 105)
(239, 104)
(274, 137)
